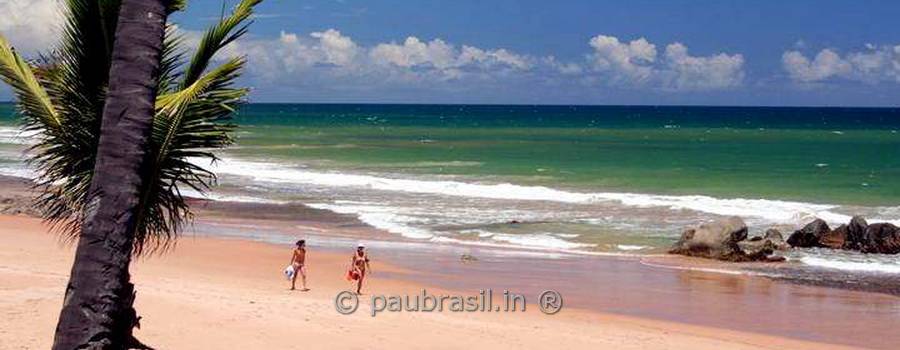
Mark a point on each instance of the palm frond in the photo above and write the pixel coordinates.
(76, 76)
(171, 63)
(175, 5)
(34, 102)
(188, 123)
(62, 97)
(218, 36)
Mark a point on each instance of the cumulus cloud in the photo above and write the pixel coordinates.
(686, 72)
(30, 25)
(290, 53)
(637, 63)
(629, 61)
(444, 58)
(332, 53)
(338, 50)
(873, 65)
(414, 61)
(330, 58)
(564, 68)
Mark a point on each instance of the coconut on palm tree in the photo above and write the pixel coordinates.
(122, 117)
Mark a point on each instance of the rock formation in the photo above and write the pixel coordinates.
(722, 240)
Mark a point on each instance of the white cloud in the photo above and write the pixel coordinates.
(290, 53)
(415, 62)
(441, 56)
(564, 68)
(825, 65)
(339, 50)
(415, 53)
(636, 63)
(632, 61)
(30, 25)
(474, 55)
(874, 64)
(686, 72)
(333, 54)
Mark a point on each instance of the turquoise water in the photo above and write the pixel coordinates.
(573, 179)
(843, 156)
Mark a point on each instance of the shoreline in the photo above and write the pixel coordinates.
(689, 293)
(694, 292)
(214, 293)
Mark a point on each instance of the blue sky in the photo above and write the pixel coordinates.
(800, 52)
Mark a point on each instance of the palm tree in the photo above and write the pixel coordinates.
(116, 180)
(97, 311)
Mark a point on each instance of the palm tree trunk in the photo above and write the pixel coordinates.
(97, 312)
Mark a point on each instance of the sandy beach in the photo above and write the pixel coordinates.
(223, 293)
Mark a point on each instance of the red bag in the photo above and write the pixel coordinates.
(352, 275)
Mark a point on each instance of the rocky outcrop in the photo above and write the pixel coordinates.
(835, 239)
(856, 233)
(810, 235)
(846, 236)
(722, 240)
(881, 238)
(726, 239)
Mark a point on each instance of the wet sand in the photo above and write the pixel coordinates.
(666, 288)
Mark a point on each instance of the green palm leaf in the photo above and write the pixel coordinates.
(62, 98)
(33, 99)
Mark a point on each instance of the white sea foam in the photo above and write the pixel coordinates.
(480, 233)
(539, 240)
(380, 217)
(856, 266)
(17, 170)
(15, 135)
(629, 247)
(773, 211)
(228, 198)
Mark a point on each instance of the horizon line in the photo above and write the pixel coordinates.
(554, 105)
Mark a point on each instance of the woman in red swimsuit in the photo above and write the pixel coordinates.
(359, 266)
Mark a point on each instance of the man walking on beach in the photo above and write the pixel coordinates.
(298, 261)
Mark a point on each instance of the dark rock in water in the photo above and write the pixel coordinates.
(835, 239)
(856, 233)
(883, 238)
(809, 235)
(755, 239)
(720, 240)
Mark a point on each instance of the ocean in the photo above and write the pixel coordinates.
(616, 180)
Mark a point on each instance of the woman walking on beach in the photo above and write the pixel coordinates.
(298, 261)
(359, 266)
